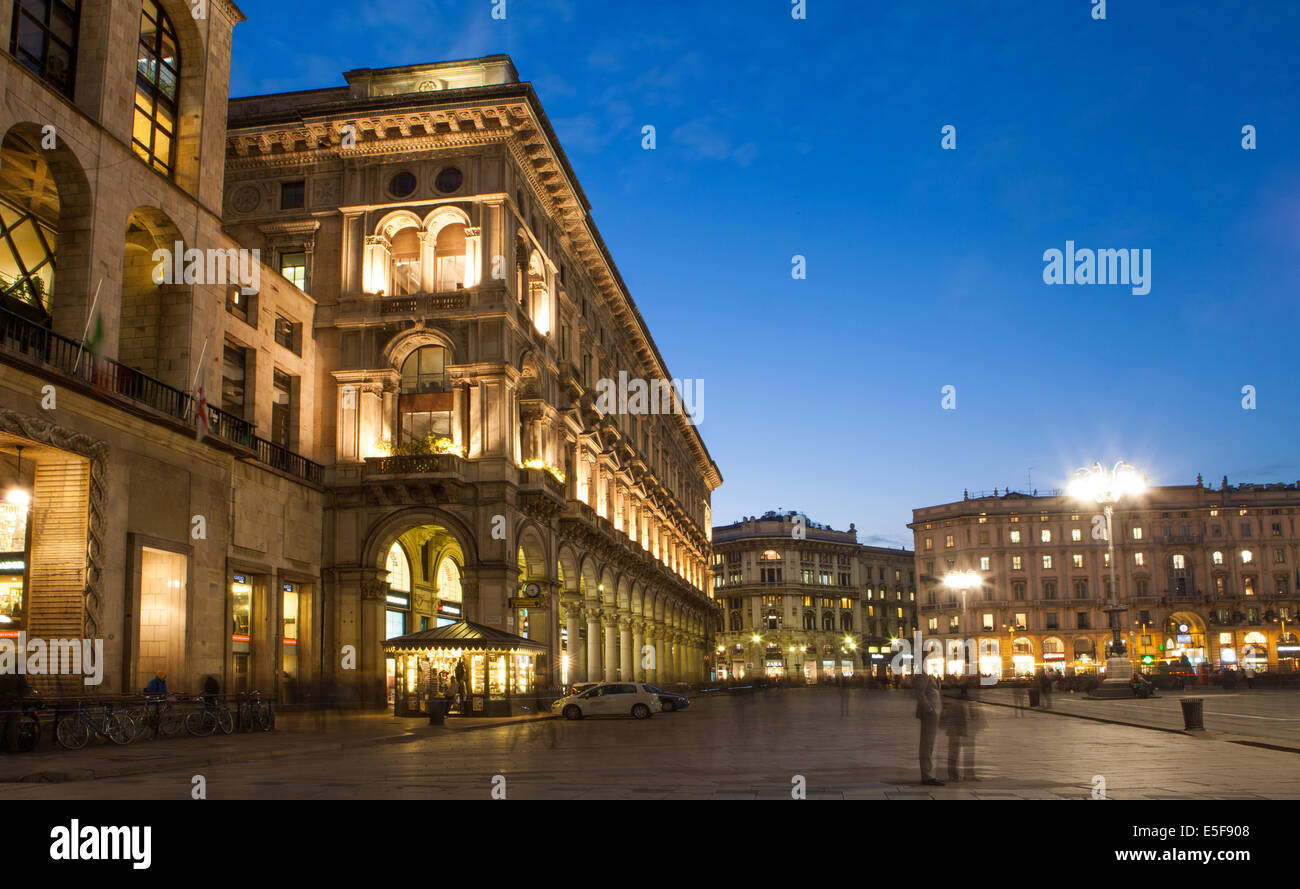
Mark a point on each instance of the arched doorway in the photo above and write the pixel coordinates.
(1184, 641)
(1053, 654)
(1022, 656)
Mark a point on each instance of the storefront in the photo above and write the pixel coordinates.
(1185, 638)
(1254, 653)
(1022, 657)
(1288, 652)
(774, 662)
(483, 671)
(1085, 655)
(13, 564)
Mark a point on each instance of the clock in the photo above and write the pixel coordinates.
(531, 590)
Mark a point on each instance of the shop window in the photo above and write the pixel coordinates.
(157, 84)
(13, 563)
(241, 632)
(291, 638)
(161, 627)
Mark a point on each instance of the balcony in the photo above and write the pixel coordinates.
(44, 351)
(369, 306)
(541, 494)
(413, 479)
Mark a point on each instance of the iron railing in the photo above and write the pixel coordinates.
(65, 356)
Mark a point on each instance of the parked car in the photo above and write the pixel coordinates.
(578, 688)
(670, 700)
(610, 699)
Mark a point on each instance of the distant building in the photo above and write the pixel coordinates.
(802, 601)
(1208, 575)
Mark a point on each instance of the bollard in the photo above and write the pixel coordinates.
(1193, 714)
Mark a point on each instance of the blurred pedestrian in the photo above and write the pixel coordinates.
(929, 709)
(1018, 694)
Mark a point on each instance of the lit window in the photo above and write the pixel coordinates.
(157, 81)
(1180, 562)
(984, 563)
(293, 266)
(1137, 533)
(399, 569)
(1076, 535)
(1015, 536)
(1045, 535)
(1247, 557)
(1017, 563)
(1218, 557)
(1138, 560)
(1047, 561)
(1078, 560)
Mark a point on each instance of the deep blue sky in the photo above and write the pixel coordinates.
(822, 137)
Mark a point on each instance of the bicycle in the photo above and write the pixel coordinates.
(212, 715)
(156, 718)
(29, 723)
(255, 712)
(75, 730)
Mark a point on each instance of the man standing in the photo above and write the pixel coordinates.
(929, 706)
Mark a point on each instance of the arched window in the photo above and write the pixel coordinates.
(157, 85)
(809, 620)
(846, 620)
(449, 258)
(449, 589)
(399, 569)
(425, 404)
(1218, 557)
(828, 621)
(405, 253)
(735, 621)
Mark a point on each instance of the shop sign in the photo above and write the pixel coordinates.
(526, 602)
(12, 565)
(1053, 655)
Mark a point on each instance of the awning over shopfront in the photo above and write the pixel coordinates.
(463, 635)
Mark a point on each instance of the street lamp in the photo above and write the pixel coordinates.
(1107, 487)
(964, 581)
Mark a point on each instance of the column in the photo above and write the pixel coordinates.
(625, 659)
(655, 674)
(611, 647)
(573, 651)
(638, 642)
(592, 673)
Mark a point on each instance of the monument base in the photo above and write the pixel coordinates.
(1119, 673)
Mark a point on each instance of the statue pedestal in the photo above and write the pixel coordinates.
(1119, 673)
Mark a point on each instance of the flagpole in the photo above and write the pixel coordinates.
(90, 317)
(198, 371)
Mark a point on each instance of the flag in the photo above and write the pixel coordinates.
(201, 414)
(96, 337)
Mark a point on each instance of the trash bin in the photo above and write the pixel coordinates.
(1034, 697)
(437, 712)
(1193, 714)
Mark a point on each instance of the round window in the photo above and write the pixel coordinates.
(402, 184)
(449, 180)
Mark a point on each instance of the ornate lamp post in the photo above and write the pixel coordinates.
(1107, 487)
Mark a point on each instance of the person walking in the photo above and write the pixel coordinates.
(929, 709)
(1045, 689)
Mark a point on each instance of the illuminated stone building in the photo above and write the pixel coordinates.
(802, 601)
(1206, 573)
(195, 556)
(393, 426)
(466, 308)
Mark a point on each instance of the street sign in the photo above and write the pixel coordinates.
(526, 602)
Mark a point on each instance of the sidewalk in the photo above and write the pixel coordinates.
(1263, 718)
(295, 734)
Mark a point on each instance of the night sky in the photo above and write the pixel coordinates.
(821, 138)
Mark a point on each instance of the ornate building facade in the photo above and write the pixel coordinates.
(386, 423)
(802, 601)
(466, 312)
(194, 553)
(1207, 574)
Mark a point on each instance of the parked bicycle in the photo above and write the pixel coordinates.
(29, 723)
(255, 712)
(212, 714)
(75, 729)
(156, 717)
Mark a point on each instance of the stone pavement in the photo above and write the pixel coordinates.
(296, 734)
(1262, 716)
(854, 744)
